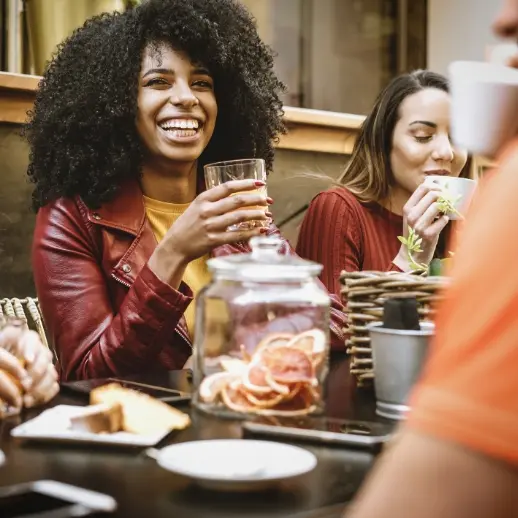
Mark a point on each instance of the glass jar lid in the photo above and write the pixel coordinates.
(265, 263)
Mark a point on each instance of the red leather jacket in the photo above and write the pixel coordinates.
(105, 311)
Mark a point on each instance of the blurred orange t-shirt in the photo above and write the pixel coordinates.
(469, 390)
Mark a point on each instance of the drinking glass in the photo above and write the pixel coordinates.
(245, 169)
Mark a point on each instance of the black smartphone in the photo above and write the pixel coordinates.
(51, 499)
(163, 393)
(360, 434)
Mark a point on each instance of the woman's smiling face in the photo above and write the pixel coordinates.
(177, 107)
(421, 143)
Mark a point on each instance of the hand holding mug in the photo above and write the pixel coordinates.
(422, 213)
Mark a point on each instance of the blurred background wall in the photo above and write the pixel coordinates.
(459, 29)
(337, 54)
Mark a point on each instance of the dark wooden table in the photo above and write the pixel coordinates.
(144, 490)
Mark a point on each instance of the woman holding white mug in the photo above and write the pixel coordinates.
(403, 141)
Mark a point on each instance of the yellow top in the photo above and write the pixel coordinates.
(161, 216)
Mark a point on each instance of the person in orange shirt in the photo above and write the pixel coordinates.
(457, 456)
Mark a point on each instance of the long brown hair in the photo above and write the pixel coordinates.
(368, 175)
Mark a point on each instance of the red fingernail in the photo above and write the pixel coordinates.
(263, 230)
(268, 214)
(269, 200)
(260, 183)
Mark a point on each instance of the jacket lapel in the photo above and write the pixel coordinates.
(128, 240)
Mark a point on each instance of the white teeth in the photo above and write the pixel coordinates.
(180, 124)
(182, 133)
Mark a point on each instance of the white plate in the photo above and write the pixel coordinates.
(53, 425)
(236, 464)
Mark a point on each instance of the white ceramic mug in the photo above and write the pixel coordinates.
(460, 189)
(484, 106)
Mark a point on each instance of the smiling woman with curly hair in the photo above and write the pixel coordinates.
(129, 111)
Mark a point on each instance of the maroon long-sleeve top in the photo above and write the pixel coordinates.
(343, 234)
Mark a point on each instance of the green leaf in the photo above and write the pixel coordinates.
(412, 244)
(446, 202)
(435, 268)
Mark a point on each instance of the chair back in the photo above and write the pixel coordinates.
(28, 311)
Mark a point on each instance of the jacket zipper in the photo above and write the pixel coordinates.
(181, 332)
(124, 283)
(178, 329)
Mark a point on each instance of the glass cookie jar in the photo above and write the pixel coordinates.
(262, 335)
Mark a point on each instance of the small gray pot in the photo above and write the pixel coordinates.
(398, 358)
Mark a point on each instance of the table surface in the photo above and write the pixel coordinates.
(143, 489)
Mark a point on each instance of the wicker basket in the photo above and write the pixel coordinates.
(364, 295)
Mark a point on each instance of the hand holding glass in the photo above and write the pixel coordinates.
(246, 169)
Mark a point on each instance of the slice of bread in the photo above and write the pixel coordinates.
(102, 418)
(141, 413)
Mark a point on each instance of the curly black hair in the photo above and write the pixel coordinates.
(82, 132)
